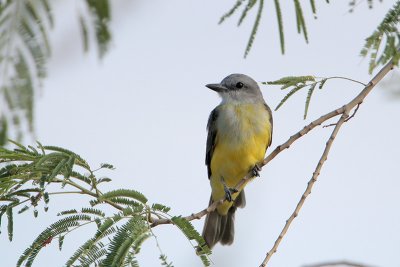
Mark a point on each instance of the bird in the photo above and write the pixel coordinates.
(239, 133)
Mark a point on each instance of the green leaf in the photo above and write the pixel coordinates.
(294, 90)
(164, 261)
(231, 11)
(119, 200)
(67, 212)
(191, 233)
(322, 83)
(291, 79)
(44, 238)
(89, 247)
(127, 242)
(48, 11)
(25, 50)
(301, 24)
(93, 211)
(249, 6)
(107, 166)
(100, 11)
(125, 193)
(57, 170)
(10, 225)
(255, 28)
(388, 34)
(84, 32)
(280, 25)
(3, 131)
(79, 160)
(60, 241)
(32, 10)
(46, 198)
(313, 8)
(69, 166)
(81, 177)
(25, 208)
(205, 260)
(309, 94)
(103, 180)
(160, 207)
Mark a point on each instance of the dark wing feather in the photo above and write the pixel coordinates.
(211, 139)
(271, 121)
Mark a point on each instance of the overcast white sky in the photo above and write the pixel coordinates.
(144, 109)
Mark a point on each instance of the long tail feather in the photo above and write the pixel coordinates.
(221, 228)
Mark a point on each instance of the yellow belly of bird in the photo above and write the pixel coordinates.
(241, 141)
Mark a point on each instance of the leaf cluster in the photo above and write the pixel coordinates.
(296, 83)
(25, 50)
(250, 4)
(26, 174)
(383, 44)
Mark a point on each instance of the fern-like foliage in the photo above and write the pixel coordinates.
(24, 50)
(24, 53)
(250, 4)
(296, 83)
(25, 176)
(190, 232)
(164, 261)
(383, 44)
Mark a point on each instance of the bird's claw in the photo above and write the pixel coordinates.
(256, 171)
(229, 192)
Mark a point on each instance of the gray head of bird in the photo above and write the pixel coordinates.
(238, 88)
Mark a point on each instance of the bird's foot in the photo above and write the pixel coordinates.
(228, 193)
(256, 171)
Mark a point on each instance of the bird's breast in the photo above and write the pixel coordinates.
(237, 124)
(243, 132)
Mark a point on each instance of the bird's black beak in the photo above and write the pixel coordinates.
(217, 87)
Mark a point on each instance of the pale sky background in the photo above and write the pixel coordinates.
(144, 109)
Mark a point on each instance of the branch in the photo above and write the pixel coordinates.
(345, 115)
(310, 184)
(338, 263)
(349, 106)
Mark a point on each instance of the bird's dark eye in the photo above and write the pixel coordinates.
(239, 85)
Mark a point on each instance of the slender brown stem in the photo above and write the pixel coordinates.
(345, 115)
(310, 185)
(348, 79)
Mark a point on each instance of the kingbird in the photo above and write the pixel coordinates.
(239, 133)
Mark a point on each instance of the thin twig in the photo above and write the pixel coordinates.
(345, 78)
(349, 118)
(310, 184)
(67, 192)
(354, 112)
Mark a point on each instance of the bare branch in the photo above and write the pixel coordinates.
(338, 263)
(310, 184)
(345, 115)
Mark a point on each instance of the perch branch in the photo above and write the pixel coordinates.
(345, 115)
(310, 184)
(349, 106)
